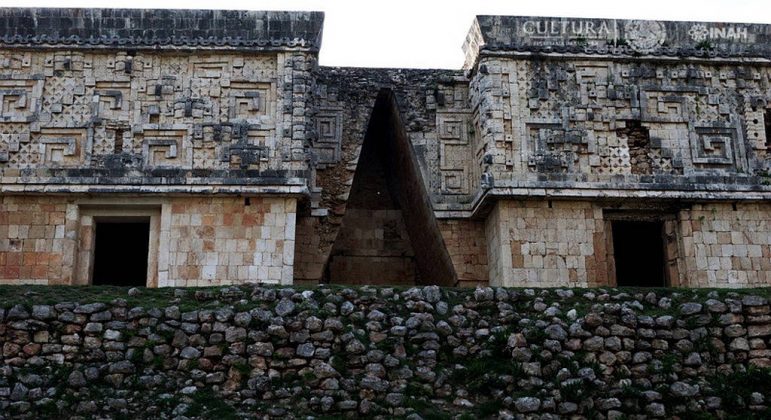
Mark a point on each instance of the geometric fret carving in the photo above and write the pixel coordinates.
(658, 106)
(63, 147)
(713, 146)
(111, 100)
(251, 101)
(20, 100)
(329, 134)
(151, 110)
(541, 139)
(454, 152)
(210, 69)
(166, 148)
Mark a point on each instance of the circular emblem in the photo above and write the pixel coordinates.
(645, 36)
(698, 32)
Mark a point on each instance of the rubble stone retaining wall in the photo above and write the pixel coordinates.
(278, 352)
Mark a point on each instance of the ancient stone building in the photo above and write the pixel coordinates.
(192, 148)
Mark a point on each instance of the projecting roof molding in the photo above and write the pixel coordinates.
(617, 37)
(160, 29)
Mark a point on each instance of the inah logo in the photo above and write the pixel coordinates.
(698, 32)
(644, 36)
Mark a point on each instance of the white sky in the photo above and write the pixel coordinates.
(429, 33)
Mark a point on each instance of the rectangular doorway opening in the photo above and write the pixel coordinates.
(638, 248)
(121, 247)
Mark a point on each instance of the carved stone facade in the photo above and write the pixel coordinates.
(240, 156)
(648, 130)
(218, 112)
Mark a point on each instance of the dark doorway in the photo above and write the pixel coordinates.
(638, 247)
(121, 249)
(767, 123)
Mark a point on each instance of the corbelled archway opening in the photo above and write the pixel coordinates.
(389, 234)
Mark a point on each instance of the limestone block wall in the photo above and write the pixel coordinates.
(194, 241)
(727, 246)
(215, 241)
(37, 245)
(179, 109)
(373, 237)
(558, 243)
(542, 244)
(467, 245)
(497, 263)
(310, 254)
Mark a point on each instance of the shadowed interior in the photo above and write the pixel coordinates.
(120, 255)
(639, 253)
(389, 234)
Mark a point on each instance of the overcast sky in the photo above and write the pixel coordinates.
(429, 33)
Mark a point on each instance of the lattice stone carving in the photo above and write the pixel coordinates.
(12, 137)
(613, 156)
(16, 149)
(65, 103)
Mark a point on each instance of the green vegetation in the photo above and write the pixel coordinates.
(735, 389)
(704, 45)
(426, 409)
(207, 404)
(482, 375)
(487, 372)
(29, 295)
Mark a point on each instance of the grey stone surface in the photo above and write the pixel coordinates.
(527, 404)
(616, 37)
(136, 28)
(690, 308)
(557, 127)
(318, 344)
